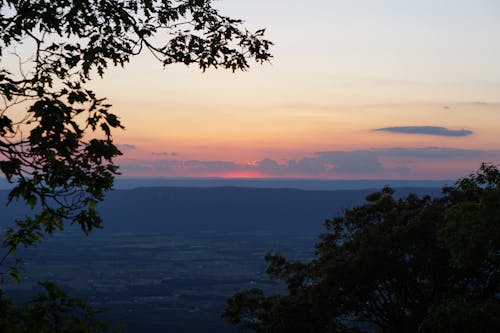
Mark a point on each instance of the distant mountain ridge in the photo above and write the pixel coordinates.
(220, 209)
(292, 183)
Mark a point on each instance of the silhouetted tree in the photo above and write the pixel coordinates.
(392, 265)
(55, 133)
(51, 311)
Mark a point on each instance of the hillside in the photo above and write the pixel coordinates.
(220, 209)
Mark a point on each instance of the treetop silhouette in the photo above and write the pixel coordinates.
(392, 265)
(55, 132)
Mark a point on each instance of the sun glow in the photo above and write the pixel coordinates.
(244, 174)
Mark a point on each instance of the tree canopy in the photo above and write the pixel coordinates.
(55, 132)
(56, 144)
(52, 310)
(414, 264)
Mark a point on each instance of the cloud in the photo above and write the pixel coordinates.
(426, 130)
(305, 165)
(269, 166)
(357, 161)
(433, 152)
(364, 161)
(212, 166)
(339, 162)
(309, 165)
(126, 146)
(378, 161)
(177, 166)
(164, 153)
(327, 162)
(481, 103)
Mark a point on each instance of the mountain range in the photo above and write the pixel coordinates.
(219, 209)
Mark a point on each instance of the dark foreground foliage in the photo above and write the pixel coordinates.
(392, 265)
(56, 144)
(51, 311)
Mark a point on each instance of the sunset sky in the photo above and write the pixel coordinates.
(356, 90)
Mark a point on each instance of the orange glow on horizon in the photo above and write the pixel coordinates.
(244, 175)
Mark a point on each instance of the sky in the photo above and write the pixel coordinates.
(385, 89)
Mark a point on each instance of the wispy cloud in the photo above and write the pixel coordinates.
(434, 152)
(426, 130)
(164, 153)
(381, 161)
(126, 146)
(177, 166)
(212, 166)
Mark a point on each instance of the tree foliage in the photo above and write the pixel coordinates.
(392, 265)
(51, 311)
(55, 132)
(56, 142)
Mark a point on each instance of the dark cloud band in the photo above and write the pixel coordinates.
(362, 162)
(426, 130)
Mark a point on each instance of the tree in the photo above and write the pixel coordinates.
(56, 142)
(55, 133)
(50, 311)
(392, 265)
